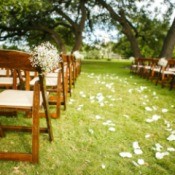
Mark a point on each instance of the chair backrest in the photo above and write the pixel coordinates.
(12, 59)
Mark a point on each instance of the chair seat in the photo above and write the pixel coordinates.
(3, 72)
(15, 98)
(156, 69)
(7, 80)
(147, 67)
(50, 81)
(172, 69)
(51, 75)
(168, 72)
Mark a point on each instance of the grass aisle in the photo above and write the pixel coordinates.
(115, 124)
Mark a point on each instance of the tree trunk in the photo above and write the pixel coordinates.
(128, 31)
(169, 42)
(78, 28)
(127, 28)
(78, 41)
(58, 41)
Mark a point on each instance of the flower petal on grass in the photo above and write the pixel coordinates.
(148, 108)
(135, 145)
(79, 107)
(154, 93)
(135, 163)
(171, 149)
(108, 122)
(91, 131)
(126, 116)
(125, 154)
(103, 166)
(164, 110)
(160, 155)
(138, 151)
(155, 117)
(98, 117)
(147, 136)
(140, 161)
(171, 137)
(130, 90)
(112, 129)
(158, 147)
(149, 120)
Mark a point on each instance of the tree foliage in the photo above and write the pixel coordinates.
(65, 22)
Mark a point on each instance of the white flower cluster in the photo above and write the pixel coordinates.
(45, 56)
(162, 62)
(78, 55)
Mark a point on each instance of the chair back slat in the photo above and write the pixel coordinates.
(12, 59)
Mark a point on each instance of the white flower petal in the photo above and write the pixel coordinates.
(91, 131)
(141, 162)
(135, 163)
(103, 166)
(147, 136)
(171, 137)
(171, 149)
(135, 145)
(125, 154)
(149, 120)
(159, 155)
(112, 129)
(98, 117)
(138, 151)
(127, 116)
(164, 110)
(130, 90)
(148, 108)
(156, 117)
(158, 147)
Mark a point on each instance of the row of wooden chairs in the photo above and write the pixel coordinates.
(28, 90)
(160, 71)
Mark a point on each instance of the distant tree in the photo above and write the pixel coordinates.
(169, 42)
(141, 29)
(38, 20)
(118, 13)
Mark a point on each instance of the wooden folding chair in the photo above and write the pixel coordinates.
(65, 73)
(70, 74)
(136, 66)
(8, 79)
(22, 100)
(53, 87)
(166, 75)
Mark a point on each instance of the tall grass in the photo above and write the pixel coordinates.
(107, 112)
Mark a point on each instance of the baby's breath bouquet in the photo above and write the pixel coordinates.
(45, 57)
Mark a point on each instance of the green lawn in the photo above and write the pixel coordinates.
(110, 111)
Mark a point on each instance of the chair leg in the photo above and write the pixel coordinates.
(1, 132)
(35, 126)
(172, 82)
(46, 108)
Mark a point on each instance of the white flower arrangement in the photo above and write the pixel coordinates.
(45, 57)
(78, 55)
(132, 59)
(162, 62)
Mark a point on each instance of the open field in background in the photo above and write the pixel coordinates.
(111, 114)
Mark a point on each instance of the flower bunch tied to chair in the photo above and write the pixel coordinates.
(45, 57)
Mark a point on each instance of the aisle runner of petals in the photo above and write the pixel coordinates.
(102, 81)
